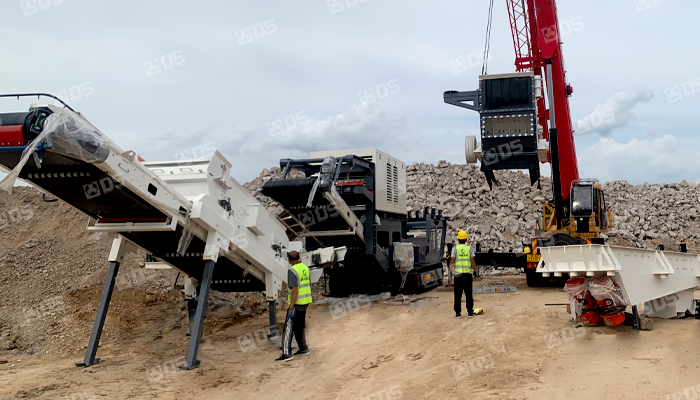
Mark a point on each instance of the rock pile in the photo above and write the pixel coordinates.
(504, 218)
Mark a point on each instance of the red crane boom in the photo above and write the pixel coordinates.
(536, 39)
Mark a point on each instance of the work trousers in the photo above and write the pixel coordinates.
(294, 327)
(463, 283)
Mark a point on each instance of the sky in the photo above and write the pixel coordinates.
(266, 80)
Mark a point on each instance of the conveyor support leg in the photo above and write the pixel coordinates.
(192, 361)
(100, 317)
(635, 315)
(272, 306)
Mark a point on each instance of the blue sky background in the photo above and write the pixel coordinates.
(624, 58)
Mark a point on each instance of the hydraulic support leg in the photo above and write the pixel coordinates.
(192, 361)
(120, 247)
(191, 302)
(635, 316)
(100, 317)
(191, 313)
(272, 306)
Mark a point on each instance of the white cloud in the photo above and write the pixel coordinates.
(359, 127)
(661, 159)
(615, 113)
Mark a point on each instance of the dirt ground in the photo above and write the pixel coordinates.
(519, 349)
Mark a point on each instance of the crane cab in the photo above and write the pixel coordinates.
(587, 213)
(588, 210)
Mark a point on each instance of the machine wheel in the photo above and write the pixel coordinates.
(533, 278)
(338, 282)
(562, 239)
(469, 147)
(537, 280)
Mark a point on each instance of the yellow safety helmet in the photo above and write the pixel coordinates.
(527, 250)
(462, 235)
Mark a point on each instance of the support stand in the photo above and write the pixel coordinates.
(100, 317)
(272, 306)
(120, 247)
(192, 361)
(191, 312)
(635, 316)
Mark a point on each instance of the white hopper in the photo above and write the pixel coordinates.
(664, 281)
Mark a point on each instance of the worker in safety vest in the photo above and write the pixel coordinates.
(461, 267)
(299, 282)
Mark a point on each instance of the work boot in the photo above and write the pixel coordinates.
(284, 358)
(302, 352)
(458, 315)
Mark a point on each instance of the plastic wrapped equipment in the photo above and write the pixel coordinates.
(611, 302)
(68, 134)
(580, 298)
(607, 293)
(324, 179)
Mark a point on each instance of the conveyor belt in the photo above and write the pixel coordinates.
(95, 193)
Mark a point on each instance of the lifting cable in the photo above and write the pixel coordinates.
(487, 45)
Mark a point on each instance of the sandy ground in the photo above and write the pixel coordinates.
(518, 350)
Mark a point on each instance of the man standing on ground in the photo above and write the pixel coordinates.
(461, 268)
(299, 282)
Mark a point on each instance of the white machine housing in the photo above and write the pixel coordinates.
(389, 177)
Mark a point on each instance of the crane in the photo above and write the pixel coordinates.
(522, 127)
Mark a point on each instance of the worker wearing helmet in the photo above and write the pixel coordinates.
(461, 266)
(299, 282)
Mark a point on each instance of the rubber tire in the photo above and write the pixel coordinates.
(533, 278)
(469, 147)
(562, 239)
(537, 280)
(338, 283)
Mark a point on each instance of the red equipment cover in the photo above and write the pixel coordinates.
(11, 136)
(577, 288)
(607, 293)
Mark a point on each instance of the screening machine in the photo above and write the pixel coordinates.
(192, 215)
(356, 199)
(664, 281)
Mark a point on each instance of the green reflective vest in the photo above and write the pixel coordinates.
(304, 295)
(463, 263)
